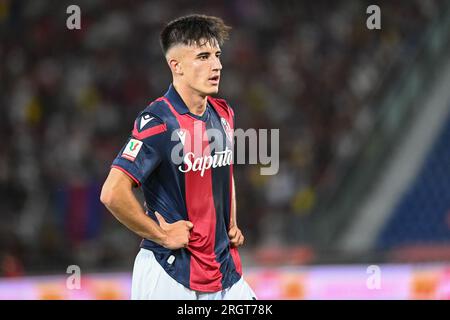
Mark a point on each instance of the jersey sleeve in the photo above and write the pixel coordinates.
(141, 154)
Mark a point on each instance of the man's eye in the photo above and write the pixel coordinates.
(203, 57)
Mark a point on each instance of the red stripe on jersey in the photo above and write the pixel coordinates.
(148, 132)
(223, 110)
(205, 272)
(175, 113)
(127, 173)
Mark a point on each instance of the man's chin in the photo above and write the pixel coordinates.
(213, 90)
(209, 90)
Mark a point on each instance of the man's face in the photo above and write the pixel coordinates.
(199, 66)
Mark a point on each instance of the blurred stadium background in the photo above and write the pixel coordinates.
(364, 118)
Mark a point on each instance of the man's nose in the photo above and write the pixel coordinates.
(216, 64)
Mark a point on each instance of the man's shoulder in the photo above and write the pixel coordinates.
(150, 121)
(157, 108)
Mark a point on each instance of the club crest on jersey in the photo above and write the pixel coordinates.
(227, 129)
(132, 149)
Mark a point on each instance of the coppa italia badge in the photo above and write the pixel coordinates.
(132, 149)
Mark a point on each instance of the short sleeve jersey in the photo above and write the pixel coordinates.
(184, 165)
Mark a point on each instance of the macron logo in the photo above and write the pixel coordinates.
(144, 120)
(182, 135)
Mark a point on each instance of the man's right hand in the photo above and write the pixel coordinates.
(177, 233)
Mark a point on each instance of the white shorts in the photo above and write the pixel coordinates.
(151, 281)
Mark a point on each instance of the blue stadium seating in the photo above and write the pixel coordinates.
(422, 215)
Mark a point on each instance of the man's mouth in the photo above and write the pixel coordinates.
(215, 79)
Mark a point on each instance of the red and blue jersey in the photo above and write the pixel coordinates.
(197, 187)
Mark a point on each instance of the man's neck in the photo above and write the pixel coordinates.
(195, 102)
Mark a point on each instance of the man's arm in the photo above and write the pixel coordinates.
(118, 197)
(235, 234)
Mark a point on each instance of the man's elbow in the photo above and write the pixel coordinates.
(116, 186)
(107, 196)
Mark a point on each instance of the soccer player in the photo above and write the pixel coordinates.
(180, 154)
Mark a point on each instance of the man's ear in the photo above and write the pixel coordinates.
(175, 66)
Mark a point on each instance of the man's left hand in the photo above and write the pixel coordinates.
(236, 236)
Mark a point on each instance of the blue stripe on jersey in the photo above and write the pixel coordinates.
(167, 196)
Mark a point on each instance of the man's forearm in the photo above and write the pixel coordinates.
(233, 205)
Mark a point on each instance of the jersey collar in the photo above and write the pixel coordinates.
(176, 100)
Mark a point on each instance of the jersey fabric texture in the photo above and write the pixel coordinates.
(185, 170)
